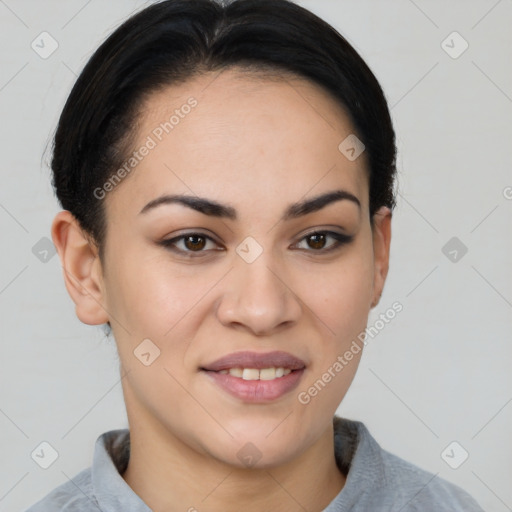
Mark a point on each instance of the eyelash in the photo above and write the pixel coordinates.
(340, 238)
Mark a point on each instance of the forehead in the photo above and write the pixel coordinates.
(234, 134)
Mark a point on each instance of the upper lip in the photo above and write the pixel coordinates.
(276, 359)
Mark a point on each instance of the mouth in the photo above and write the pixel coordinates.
(254, 377)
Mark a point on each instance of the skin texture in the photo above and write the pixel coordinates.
(258, 145)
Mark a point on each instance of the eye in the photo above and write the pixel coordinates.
(317, 240)
(189, 243)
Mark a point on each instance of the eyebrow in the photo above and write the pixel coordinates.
(215, 209)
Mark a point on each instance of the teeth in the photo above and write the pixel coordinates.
(250, 374)
(255, 374)
(236, 372)
(267, 373)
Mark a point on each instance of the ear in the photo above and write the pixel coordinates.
(81, 268)
(381, 245)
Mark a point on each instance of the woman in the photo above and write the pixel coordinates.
(226, 174)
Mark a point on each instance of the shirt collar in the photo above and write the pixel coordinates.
(111, 491)
(356, 452)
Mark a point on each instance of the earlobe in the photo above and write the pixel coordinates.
(81, 268)
(381, 248)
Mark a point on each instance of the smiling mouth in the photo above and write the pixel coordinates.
(254, 377)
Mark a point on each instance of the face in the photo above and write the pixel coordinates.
(250, 292)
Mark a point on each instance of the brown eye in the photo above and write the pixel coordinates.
(317, 240)
(190, 244)
(193, 242)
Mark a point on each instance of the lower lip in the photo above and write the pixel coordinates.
(257, 391)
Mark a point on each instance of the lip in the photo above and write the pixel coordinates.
(256, 391)
(256, 360)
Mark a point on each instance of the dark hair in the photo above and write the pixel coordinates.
(171, 41)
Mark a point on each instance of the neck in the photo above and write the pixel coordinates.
(170, 476)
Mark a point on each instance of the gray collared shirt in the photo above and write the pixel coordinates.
(376, 480)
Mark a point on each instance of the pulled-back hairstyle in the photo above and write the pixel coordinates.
(172, 41)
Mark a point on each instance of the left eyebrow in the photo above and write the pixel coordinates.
(317, 203)
(215, 209)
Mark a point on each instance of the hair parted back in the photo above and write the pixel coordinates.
(172, 41)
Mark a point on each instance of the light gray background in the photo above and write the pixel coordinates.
(439, 372)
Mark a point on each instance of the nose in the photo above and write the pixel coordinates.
(257, 297)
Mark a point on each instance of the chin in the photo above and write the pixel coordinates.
(264, 445)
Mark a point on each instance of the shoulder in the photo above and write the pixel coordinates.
(72, 496)
(419, 489)
(380, 480)
(97, 485)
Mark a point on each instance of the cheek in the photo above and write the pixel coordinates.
(144, 294)
(340, 294)
(340, 301)
(153, 299)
